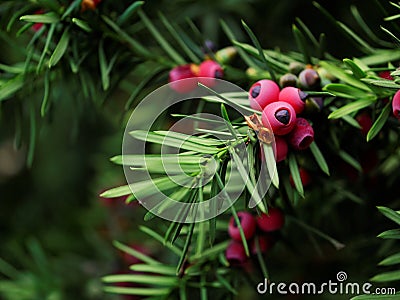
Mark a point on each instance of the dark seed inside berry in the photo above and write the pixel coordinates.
(240, 221)
(218, 74)
(256, 91)
(303, 96)
(283, 116)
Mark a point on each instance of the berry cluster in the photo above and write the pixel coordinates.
(280, 110)
(258, 231)
(396, 98)
(396, 105)
(206, 73)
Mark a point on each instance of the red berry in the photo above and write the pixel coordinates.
(272, 221)
(248, 224)
(302, 135)
(304, 177)
(280, 151)
(295, 97)
(396, 105)
(235, 253)
(281, 148)
(280, 116)
(365, 121)
(210, 69)
(262, 93)
(265, 243)
(176, 76)
(385, 75)
(37, 26)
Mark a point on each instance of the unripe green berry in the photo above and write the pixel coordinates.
(296, 67)
(288, 79)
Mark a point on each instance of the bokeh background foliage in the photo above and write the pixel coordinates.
(67, 120)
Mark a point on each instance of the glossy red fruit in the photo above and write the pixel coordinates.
(281, 149)
(262, 93)
(396, 105)
(182, 72)
(272, 221)
(365, 122)
(281, 116)
(38, 26)
(385, 75)
(295, 97)
(302, 135)
(304, 177)
(248, 224)
(265, 242)
(210, 69)
(235, 253)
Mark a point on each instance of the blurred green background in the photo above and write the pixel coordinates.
(57, 231)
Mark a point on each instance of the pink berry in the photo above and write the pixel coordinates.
(281, 116)
(302, 135)
(304, 177)
(176, 76)
(265, 243)
(235, 253)
(295, 97)
(281, 148)
(262, 93)
(248, 224)
(396, 105)
(272, 221)
(280, 151)
(365, 121)
(210, 69)
(38, 26)
(385, 75)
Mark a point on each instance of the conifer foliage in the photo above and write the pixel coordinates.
(320, 131)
